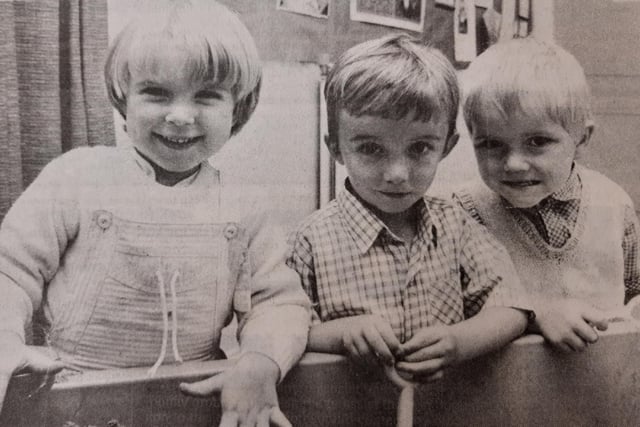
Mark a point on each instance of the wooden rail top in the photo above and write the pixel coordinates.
(524, 384)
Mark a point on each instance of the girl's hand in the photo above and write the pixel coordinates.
(15, 356)
(424, 357)
(369, 340)
(247, 392)
(570, 325)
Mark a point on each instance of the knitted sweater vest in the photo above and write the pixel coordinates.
(590, 266)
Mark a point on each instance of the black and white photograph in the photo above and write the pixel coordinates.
(319, 213)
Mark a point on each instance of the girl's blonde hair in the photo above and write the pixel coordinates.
(217, 43)
(537, 78)
(392, 77)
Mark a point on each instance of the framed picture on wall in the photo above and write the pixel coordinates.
(316, 8)
(406, 14)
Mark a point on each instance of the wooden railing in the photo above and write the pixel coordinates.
(526, 383)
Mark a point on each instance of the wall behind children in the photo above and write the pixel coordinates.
(279, 148)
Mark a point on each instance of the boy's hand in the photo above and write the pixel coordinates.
(427, 353)
(15, 356)
(247, 392)
(370, 340)
(570, 325)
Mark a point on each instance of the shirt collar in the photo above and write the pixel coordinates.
(365, 227)
(147, 169)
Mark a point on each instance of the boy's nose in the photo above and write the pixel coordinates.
(181, 115)
(515, 163)
(397, 172)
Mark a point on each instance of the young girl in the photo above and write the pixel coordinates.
(139, 255)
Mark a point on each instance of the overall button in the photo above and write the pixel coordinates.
(230, 231)
(104, 219)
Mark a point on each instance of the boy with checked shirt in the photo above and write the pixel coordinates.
(397, 277)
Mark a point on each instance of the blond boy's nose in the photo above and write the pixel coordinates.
(181, 115)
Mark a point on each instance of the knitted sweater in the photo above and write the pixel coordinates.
(118, 262)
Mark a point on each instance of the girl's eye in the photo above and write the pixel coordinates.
(155, 92)
(539, 141)
(420, 148)
(369, 149)
(210, 94)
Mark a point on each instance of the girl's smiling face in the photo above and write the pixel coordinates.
(523, 158)
(175, 120)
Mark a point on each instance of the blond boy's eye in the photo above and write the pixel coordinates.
(539, 141)
(486, 143)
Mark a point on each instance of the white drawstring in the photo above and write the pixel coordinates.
(174, 318)
(165, 322)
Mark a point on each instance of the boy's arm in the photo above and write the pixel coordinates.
(432, 349)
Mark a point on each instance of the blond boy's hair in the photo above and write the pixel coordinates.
(537, 78)
(217, 44)
(392, 77)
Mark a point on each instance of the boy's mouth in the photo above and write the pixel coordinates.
(394, 195)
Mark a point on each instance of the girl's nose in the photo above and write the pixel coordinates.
(181, 115)
(396, 172)
(515, 163)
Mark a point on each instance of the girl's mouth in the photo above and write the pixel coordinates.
(178, 143)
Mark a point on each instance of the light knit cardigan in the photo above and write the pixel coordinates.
(46, 244)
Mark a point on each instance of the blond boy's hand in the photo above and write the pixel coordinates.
(15, 356)
(570, 325)
(424, 357)
(369, 340)
(247, 392)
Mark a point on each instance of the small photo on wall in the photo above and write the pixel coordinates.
(405, 14)
(315, 8)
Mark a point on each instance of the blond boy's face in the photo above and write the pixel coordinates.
(525, 159)
(173, 120)
(391, 163)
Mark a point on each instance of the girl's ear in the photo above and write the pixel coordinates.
(334, 148)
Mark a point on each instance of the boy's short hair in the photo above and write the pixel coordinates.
(392, 77)
(218, 44)
(531, 76)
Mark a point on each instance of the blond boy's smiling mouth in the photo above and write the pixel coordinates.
(520, 184)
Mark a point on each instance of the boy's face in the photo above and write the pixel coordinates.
(523, 158)
(391, 163)
(173, 120)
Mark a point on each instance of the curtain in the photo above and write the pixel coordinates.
(52, 95)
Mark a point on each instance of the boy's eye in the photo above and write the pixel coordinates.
(420, 148)
(538, 141)
(369, 149)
